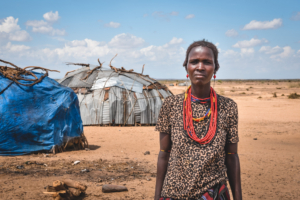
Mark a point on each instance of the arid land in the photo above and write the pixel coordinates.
(269, 151)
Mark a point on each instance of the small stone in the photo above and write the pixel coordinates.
(254, 138)
(87, 149)
(113, 188)
(85, 170)
(147, 153)
(20, 167)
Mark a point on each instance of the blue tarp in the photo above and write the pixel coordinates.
(38, 117)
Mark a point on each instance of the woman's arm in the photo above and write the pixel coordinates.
(233, 170)
(162, 163)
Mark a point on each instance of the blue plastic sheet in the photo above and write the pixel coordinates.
(38, 117)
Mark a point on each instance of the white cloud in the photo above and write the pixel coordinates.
(298, 52)
(190, 16)
(113, 25)
(258, 25)
(126, 41)
(176, 41)
(231, 53)
(247, 51)
(249, 43)
(170, 52)
(10, 24)
(270, 50)
(231, 33)
(48, 30)
(10, 30)
(174, 13)
(51, 17)
(287, 52)
(16, 48)
(36, 23)
(296, 17)
(41, 26)
(19, 36)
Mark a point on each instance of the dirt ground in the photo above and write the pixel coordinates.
(268, 150)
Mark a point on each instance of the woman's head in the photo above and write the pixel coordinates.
(203, 43)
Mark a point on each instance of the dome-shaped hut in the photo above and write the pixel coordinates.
(113, 96)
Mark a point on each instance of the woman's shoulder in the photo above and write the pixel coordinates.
(226, 101)
(174, 99)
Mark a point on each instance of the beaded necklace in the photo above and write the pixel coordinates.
(203, 101)
(188, 117)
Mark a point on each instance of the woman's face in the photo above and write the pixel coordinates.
(201, 65)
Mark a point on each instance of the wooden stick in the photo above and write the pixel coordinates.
(75, 184)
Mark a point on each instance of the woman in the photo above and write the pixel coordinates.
(198, 136)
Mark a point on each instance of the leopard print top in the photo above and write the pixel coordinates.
(194, 168)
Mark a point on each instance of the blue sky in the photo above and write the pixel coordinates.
(256, 39)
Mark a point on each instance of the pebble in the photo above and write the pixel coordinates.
(113, 188)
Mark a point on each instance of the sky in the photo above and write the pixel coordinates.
(257, 39)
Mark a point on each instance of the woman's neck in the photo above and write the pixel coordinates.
(201, 91)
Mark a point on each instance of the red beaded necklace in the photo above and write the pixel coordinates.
(188, 117)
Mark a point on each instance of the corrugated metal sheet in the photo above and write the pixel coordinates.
(130, 100)
(138, 78)
(163, 93)
(66, 81)
(143, 104)
(129, 105)
(77, 82)
(150, 107)
(106, 73)
(137, 112)
(91, 107)
(120, 81)
(77, 71)
(116, 113)
(106, 112)
(157, 104)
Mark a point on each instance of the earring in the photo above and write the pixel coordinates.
(214, 79)
(187, 76)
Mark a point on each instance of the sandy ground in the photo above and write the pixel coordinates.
(268, 150)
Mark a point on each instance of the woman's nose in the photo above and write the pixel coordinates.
(200, 66)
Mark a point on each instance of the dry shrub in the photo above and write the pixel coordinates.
(221, 91)
(274, 95)
(259, 97)
(294, 85)
(294, 96)
(243, 93)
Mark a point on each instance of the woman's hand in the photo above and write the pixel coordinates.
(233, 170)
(162, 163)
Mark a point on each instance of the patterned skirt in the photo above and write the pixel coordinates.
(211, 194)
